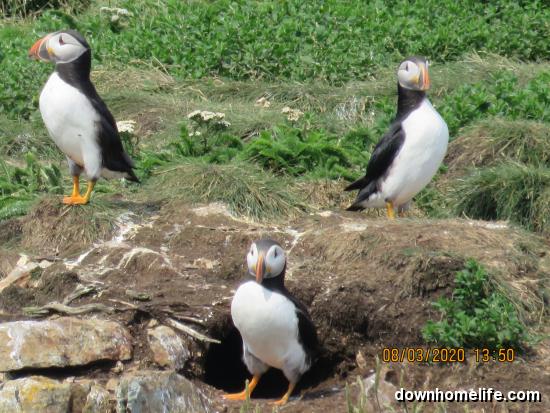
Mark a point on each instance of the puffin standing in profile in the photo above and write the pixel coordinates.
(276, 328)
(76, 117)
(409, 154)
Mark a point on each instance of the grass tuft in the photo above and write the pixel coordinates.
(508, 191)
(496, 139)
(246, 189)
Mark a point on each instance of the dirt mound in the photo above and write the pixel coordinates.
(369, 283)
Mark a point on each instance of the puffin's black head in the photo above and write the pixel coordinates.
(266, 260)
(413, 73)
(64, 46)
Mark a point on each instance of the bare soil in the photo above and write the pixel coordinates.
(369, 284)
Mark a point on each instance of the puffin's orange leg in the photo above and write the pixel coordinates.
(75, 198)
(76, 191)
(284, 399)
(389, 210)
(242, 395)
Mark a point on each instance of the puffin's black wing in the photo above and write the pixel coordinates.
(307, 335)
(381, 159)
(112, 152)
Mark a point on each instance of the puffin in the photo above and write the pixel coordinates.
(76, 118)
(407, 157)
(275, 327)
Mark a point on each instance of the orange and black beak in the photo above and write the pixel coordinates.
(424, 80)
(260, 268)
(40, 51)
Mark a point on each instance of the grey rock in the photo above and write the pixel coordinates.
(63, 342)
(159, 392)
(98, 400)
(167, 347)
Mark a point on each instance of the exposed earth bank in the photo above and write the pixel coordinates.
(138, 320)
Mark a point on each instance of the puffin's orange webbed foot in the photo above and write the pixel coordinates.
(242, 395)
(235, 396)
(284, 399)
(75, 200)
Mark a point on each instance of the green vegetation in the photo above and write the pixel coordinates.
(477, 315)
(19, 186)
(332, 64)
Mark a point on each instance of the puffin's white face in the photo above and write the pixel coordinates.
(413, 74)
(266, 259)
(58, 47)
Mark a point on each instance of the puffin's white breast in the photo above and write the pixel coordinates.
(71, 122)
(423, 150)
(268, 325)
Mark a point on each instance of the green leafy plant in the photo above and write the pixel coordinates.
(314, 153)
(19, 186)
(477, 315)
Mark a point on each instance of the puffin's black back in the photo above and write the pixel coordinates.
(388, 147)
(77, 74)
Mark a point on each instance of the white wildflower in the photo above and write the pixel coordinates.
(124, 12)
(116, 11)
(292, 114)
(206, 116)
(196, 133)
(126, 126)
(194, 114)
(263, 102)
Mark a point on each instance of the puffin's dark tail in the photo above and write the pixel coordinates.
(359, 184)
(131, 176)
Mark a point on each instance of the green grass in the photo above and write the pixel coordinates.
(477, 315)
(329, 41)
(300, 40)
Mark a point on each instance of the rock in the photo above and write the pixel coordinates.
(167, 347)
(98, 401)
(35, 395)
(159, 391)
(119, 367)
(62, 342)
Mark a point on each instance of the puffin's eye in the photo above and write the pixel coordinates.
(61, 42)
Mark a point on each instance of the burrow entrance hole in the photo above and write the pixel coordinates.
(225, 370)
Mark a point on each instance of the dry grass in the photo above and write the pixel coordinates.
(52, 228)
(245, 188)
(493, 140)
